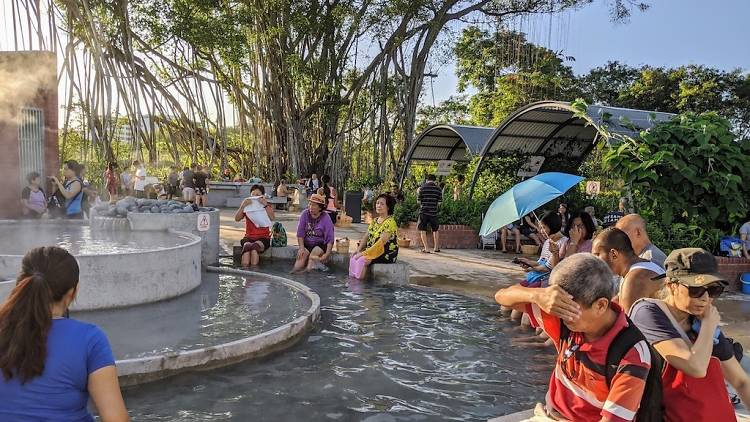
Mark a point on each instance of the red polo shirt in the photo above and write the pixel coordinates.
(578, 387)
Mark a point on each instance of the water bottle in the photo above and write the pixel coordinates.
(697, 328)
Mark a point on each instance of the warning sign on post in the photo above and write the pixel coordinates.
(444, 167)
(204, 222)
(593, 188)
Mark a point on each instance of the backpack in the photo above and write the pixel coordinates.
(651, 408)
(278, 235)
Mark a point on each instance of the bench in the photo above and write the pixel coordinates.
(396, 274)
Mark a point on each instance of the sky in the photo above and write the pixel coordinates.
(715, 33)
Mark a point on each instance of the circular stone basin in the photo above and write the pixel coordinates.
(116, 268)
(224, 308)
(231, 317)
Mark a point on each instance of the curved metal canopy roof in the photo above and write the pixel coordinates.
(544, 128)
(449, 142)
(549, 128)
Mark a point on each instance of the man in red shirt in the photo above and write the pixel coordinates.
(577, 313)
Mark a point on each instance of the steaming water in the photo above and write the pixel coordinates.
(379, 354)
(80, 240)
(224, 308)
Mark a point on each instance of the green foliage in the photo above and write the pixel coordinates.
(688, 174)
(463, 211)
(508, 72)
(406, 211)
(681, 89)
(681, 235)
(357, 184)
(497, 176)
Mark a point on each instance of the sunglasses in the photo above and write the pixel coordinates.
(714, 291)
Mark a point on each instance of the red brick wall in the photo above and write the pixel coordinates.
(451, 236)
(731, 268)
(12, 64)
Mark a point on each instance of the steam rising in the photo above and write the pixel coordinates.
(24, 76)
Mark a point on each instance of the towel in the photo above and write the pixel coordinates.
(256, 212)
(357, 267)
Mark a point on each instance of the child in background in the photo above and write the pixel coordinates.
(32, 197)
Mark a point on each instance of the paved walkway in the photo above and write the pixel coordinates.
(474, 272)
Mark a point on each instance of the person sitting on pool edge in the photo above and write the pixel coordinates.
(257, 239)
(382, 234)
(315, 235)
(577, 313)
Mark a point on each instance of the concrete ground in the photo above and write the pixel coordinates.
(473, 272)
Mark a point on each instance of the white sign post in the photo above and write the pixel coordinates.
(204, 222)
(531, 167)
(444, 167)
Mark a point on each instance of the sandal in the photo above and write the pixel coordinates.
(423, 250)
(437, 251)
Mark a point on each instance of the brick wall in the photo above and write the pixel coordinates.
(46, 99)
(731, 268)
(451, 236)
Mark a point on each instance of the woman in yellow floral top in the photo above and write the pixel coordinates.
(379, 245)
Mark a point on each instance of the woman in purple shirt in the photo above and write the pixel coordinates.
(50, 364)
(314, 236)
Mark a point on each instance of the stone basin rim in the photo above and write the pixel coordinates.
(134, 371)
(192, 240)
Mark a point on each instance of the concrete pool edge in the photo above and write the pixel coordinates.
(153, 368)
(120, 279)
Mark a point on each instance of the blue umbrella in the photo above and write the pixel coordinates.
(525, 197)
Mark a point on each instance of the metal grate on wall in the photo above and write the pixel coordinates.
(31, 142)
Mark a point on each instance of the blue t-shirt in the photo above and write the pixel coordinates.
(74, 350)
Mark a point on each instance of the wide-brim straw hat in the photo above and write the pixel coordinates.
(318, 199)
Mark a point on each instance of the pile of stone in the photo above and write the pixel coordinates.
(146, 206)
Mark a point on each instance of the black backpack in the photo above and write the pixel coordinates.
(652, 407)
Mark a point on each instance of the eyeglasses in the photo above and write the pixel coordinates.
(714, 291)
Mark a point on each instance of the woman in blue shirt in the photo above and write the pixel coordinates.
(72, 189)
(50, 365)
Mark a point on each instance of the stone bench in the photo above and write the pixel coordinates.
(396, 274)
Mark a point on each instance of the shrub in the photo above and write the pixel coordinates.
(406, 211)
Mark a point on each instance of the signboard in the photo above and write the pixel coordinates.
(593, 188)
(204, 222)
(444, 167)
(531, 167)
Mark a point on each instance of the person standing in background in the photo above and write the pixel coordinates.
(201, 188)
(429, 197)
(126, 182)
(330, 194)
(745, 237)
(32, 197)
(72, 189)
(173, 183)
(188, 185)
(139, 181)
(313, 185)
(111, 181)
(458, 187)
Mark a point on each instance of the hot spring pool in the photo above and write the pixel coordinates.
(79, 240)
(379, 354)
(117, 268)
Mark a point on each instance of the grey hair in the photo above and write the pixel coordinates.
(585, 277)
